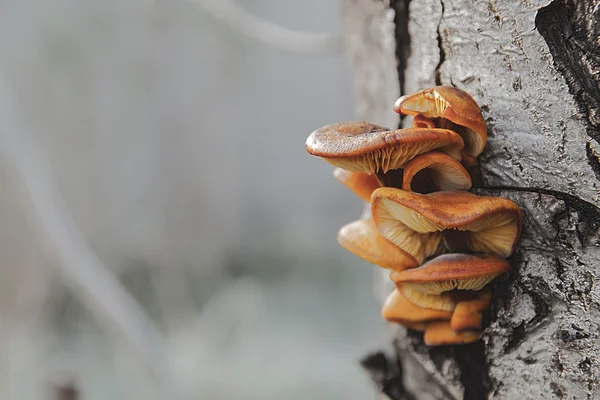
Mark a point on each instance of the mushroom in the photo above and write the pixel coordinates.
(425, 225)
(440, 333)
(420, 121)
(455, 109)
(365, 147)
(362, 239)
(400, 310)
(440, 302)
(435, 171)
(432, 284)
(468, 314)
(360, 183)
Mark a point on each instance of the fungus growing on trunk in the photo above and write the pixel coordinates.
(420, 121)
(446, 274)
(361, 183)
(434, 171)
(362, 239)
(440, 333)
(426, 225)
(400, 310)
(373, 149)
(451, 108)
(468, 314)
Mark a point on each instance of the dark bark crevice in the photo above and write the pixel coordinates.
(438, 76)
(401, 16)
(388, 375)
(593, 159)
(571, 30)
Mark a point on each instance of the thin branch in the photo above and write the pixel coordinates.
(92, 281)
(261, 30)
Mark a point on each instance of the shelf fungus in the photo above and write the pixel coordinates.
(426, 225)
(398, 309)
(440, 333)
(433, 172)
(468, 314)
(449, 108)
(439, 283)
(443, 245)
(373, 149)
(361, 183)
(362, 239)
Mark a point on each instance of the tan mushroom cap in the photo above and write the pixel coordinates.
(441, 333)
(468, 314)
(400, 310)
(365, 147)
(440, 302)
(425, 225)
(453, 271)
(454, 105)
(435, 283)
(362, 239)
(361, 183)
(433, 172)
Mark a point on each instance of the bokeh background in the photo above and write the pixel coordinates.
(177, 144)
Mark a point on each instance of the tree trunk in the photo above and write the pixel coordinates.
(534, 68)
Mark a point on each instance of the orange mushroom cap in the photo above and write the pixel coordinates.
(454, 271)
(440, 302)
(361, 183)
(400, 310)
(425, 225)
(365, 147)
(424, 285)
(362, 239)
(433, 172)
(441, 334)
(451, 104)
(468, 314)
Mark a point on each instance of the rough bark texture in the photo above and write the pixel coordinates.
(534, 68)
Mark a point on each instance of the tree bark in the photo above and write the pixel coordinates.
(534, 68)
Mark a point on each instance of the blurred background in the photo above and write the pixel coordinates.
(177, 146)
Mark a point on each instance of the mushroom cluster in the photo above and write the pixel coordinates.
(443, 245)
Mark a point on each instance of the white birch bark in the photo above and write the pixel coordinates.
(534, 68)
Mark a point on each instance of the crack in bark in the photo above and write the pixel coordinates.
(593, 159)
(387, 376)
(438, 76)
(571, 29)
(401, 16)
(474, 370)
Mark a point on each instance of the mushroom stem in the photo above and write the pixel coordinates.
(392, 178)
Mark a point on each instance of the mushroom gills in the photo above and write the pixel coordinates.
(438, 287)
(471, 138)
(416, 235)
(381, 160)
(423, 238)
(441, 302)
(437, 177)
(428, 103)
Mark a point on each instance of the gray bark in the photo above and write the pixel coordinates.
(534, 68)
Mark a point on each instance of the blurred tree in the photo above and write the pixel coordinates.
(534, 67)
